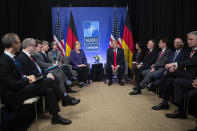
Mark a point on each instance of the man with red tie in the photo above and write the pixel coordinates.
(115, 62)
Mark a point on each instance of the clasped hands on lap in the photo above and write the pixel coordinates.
(171, 67)
(82, 65)
(114, 69)
(32, 78)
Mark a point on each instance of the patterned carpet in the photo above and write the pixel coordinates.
(104, 108)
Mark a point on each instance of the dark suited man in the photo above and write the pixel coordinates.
(189, 66)
(157, 68)
(57, 72)
(176, 55)
(147, 61)
(115, 62)
(16, 88)
(29, 66)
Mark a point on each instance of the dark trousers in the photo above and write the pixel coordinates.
(179, 92)
(66, 71)
(46, 87)
(83, 74)
(168, 83)
(134, 70)
(139, 76)
(120, 72)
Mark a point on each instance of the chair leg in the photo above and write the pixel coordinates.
(43, 104)
(186, 101)
(36, 116)
(133, 80)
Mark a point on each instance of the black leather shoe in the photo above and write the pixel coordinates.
(160, 106)
(80, 84)
(60, 120)
(135, 88)
(69, 90)
(110, 83)
(177, 114)
(135, 92)
(121, 83)
(70, 101)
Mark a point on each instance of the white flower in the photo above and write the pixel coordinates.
(98, 57)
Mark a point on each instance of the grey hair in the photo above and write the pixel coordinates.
(45, 42)
(28, 42)
(53, 43)
(8, 39)
(193, 33)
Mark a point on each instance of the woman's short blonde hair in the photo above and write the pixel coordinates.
(77, 42)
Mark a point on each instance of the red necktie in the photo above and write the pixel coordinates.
(192, 53)
(115, 58)
(38, 68)
(160, 55)
(32, 59)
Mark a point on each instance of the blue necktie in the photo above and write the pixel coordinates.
(175, 55)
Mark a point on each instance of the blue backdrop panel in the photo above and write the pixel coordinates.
(104, 15)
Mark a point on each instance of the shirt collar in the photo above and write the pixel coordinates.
(150, 50)
(116, 50)
(9, 54)
(179, 50)
(26, 53)
(195, 48)
(43, 52)
(164, 50)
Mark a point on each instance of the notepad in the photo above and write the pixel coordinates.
(52, 67)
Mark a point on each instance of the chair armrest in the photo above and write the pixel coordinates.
(31, 100)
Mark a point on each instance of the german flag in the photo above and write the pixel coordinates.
(127, 41)
(71, 35)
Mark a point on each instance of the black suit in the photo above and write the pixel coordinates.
(119, 61)
(149, 58)
(162, 81)
(147, 61)
(29, 68)
(15, 89)
(46, 58)
(190, 64)
(187, 69)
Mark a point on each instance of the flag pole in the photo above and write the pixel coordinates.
(70, 6)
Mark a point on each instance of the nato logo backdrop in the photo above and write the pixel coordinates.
(91, 36)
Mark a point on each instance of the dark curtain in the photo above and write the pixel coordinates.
(149, 18)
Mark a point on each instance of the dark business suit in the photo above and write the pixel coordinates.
(57, 72)
(119, 60)
(184, 82)
(45, 56)
(162, 81)
(29, 68)
(149, 58)
(137, 57)
(15, 89)
(187, 69)
(147, 61)
(159, 67)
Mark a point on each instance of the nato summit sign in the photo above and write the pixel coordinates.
(91, 36)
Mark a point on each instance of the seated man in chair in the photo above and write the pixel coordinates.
(115, 62)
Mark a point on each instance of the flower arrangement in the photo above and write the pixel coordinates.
(97, 58)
